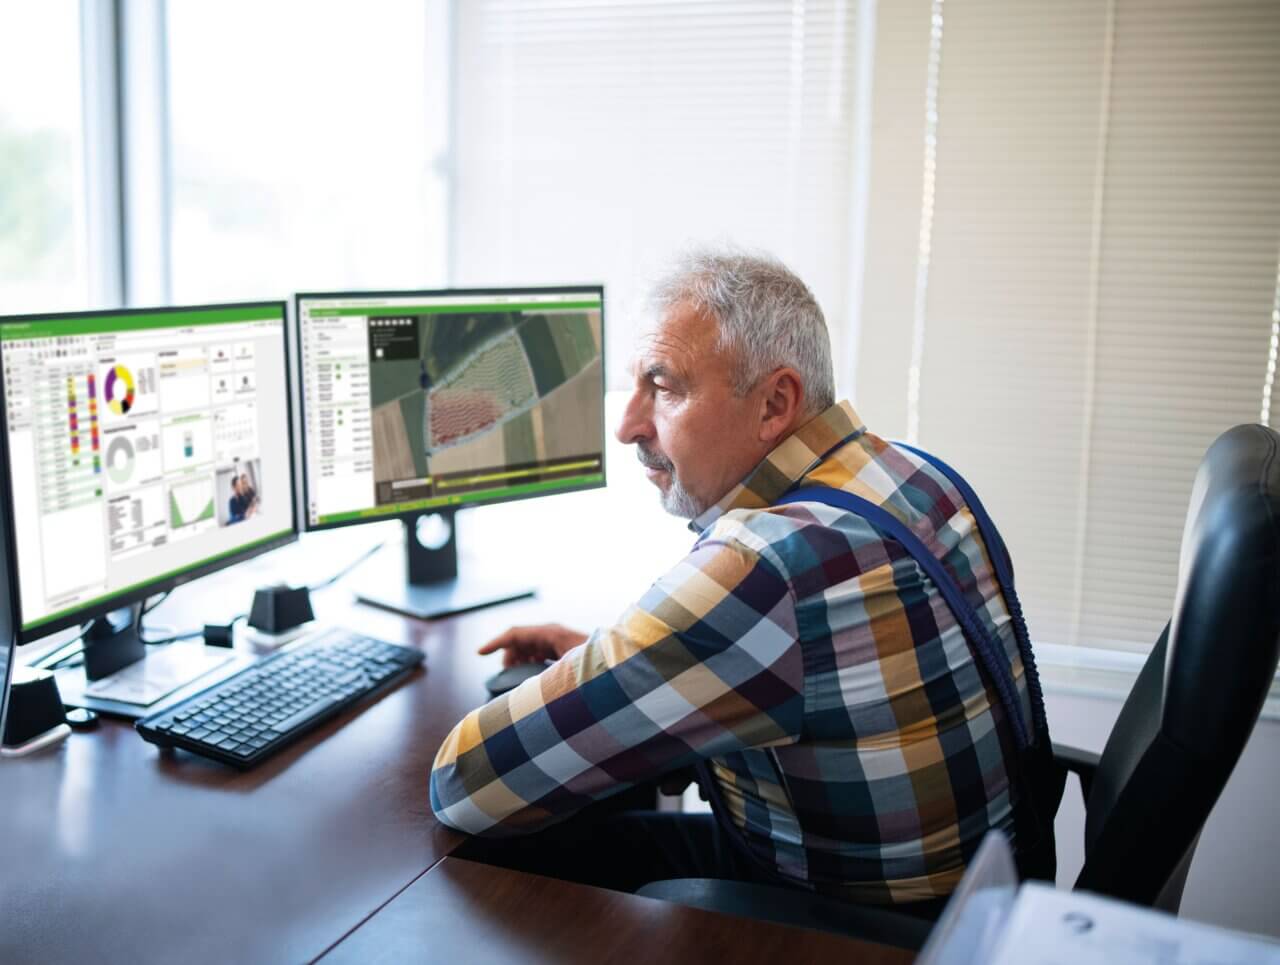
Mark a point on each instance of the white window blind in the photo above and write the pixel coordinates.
(894, 204)
(596, 137)
(1006, 337)
(1101, 285)
(1190, 241)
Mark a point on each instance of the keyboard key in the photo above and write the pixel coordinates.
(304, 714)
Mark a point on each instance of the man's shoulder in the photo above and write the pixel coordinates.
(781, 522)
(790, 535)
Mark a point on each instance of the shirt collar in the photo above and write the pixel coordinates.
(793, 459)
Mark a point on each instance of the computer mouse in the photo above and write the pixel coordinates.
(513, 677)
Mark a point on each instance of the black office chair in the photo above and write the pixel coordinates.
(1179, 734)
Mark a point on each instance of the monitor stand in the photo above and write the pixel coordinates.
(431, 587)
(109, 646)
(119, 677)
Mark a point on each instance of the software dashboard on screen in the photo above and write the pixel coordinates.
(142, 445)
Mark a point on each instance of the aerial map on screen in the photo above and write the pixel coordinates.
(452, 393)
(444, 398)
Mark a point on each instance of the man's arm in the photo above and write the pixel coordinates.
(705, 664)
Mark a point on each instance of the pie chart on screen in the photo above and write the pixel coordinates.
(120, 459)
(119, 389)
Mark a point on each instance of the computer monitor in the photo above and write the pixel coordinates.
(425, 402)
(141, 450)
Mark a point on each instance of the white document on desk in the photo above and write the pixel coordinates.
(159, 674)
(1051, 927)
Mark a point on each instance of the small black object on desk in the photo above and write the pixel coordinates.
(513, 677)
(219, 634)
(280, 608)
(35, 718)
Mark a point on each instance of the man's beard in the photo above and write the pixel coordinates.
(675, 499)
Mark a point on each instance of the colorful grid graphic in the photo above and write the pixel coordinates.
(93, 421)
(73, 423)
(73, 418)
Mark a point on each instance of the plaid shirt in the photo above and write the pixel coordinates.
(851, 738)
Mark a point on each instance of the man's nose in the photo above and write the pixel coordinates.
(635, 425)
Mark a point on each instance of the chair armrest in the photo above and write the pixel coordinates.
(1082, 763)
(799, 909)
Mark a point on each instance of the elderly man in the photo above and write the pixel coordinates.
(847, 731)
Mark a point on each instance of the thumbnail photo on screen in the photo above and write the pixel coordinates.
(239, 492)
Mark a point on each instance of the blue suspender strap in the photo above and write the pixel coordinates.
(1004, 573)
(987, 649)
(990, 535)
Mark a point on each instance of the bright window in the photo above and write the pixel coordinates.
(42, 207)
(304, 141)
(596, 139)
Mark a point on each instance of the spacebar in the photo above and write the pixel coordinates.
(305, 714)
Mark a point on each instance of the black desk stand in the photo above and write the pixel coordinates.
(431, 587)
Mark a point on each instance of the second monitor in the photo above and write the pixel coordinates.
(421, 402)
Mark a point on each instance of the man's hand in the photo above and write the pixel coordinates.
(550, 641)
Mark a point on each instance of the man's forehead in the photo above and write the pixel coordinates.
(683, 339)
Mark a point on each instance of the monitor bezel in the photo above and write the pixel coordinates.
(412, 514)
(107, 604)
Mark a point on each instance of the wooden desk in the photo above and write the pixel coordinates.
(114, 852)
(461, 911)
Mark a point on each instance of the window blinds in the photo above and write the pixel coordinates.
(1187, 276)
(1102, 274)
(594, 138)
(1100, 241)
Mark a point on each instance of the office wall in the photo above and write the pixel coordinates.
(1235, 876)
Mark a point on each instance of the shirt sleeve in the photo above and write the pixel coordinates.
(706, 663)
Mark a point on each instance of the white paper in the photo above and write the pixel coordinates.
(974, 919)
(160, 673)
(1051, 927)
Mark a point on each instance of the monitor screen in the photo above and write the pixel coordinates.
(414, 401)
(144, 448)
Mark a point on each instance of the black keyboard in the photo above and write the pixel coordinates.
(249, 716)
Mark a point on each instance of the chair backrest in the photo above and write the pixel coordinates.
(1186, 722)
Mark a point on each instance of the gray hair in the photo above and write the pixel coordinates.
(768, 317)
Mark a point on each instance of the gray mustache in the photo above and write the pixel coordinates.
(651, 460)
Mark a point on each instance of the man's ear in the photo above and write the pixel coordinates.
(781, 405)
